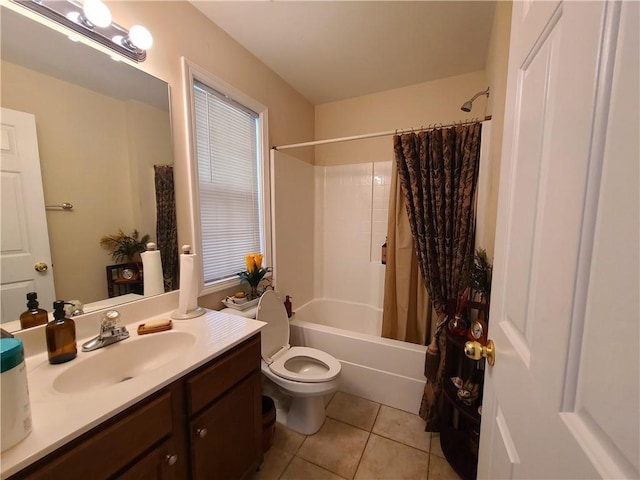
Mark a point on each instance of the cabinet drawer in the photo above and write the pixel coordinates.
(209, 383)
(103, 451)
(158, 464)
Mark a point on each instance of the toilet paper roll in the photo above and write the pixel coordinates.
(188, 296)
(152, 273)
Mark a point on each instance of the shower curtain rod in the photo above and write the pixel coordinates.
(379, 134)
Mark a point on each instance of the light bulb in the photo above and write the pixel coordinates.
(97, 13)
(73, 16)
(140, 37)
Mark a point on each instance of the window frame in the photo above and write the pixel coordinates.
(191, 72)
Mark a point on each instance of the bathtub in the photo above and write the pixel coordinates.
(379, 369)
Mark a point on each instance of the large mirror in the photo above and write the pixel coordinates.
(103, 127)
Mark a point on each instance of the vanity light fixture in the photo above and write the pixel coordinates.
(93, 20)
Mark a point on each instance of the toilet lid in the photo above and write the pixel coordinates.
(275, 335)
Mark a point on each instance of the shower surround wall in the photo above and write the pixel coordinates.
(351, 207)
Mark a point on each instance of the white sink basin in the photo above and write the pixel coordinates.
(122, 361)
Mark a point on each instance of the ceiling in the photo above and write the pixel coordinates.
(333, 50)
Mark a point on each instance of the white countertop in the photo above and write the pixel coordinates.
(60, 417)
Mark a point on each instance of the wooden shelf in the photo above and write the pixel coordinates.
(451, 395)
(460, 427)
(460, 454)
(118, 285)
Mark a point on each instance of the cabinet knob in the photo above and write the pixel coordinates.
(202, 432)
(171, 459)
(476, 351)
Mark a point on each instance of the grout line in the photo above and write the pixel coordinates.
(400, 442)
(286, 466)
(320, 466)
(362, 455)
(377, 415)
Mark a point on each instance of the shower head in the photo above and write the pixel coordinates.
(466, 106)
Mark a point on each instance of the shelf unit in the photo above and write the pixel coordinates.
(118, 284)
(460, 427)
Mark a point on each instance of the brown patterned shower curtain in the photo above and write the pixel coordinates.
(166, 226)
(438, 170)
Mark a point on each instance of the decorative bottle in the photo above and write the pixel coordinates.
(34, 315)
(61, 335)
(288, 307)
(383, 256)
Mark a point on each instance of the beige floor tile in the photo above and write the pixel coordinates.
(336, 447)
(435, 445)
(355, 411)
(385, 459)
(403, 427)
(287, 440)
(275, 462)
(300, 469)
(439, 469)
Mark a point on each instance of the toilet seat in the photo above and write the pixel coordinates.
(329, 366)
(300, 364)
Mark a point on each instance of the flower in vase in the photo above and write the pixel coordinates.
(254, 273)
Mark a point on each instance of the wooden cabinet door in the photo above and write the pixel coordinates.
(226, 437)
(158, 464)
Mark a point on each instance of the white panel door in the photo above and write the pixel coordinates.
(562, 399)
(24, 240)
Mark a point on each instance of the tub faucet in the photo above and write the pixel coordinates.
(109, 333)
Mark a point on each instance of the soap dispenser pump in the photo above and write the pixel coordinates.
(61, 335)
(33, 315)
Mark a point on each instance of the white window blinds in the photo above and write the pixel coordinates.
(228, 159)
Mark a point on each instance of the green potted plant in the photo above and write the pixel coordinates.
(123, 247)
(254, 273)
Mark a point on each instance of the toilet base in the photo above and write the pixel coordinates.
(301, 414)
(306, 414)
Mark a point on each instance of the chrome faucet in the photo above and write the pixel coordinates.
(109, 333)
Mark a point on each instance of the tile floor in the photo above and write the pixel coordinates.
(360, 440)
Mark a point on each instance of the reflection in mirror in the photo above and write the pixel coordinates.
(103, 134)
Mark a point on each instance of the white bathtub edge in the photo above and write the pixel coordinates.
(382, 387)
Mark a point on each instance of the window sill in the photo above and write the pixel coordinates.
(220, 286)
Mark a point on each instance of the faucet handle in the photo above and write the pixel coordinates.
(110, 319)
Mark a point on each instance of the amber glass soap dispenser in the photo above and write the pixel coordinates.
(61, 335)
(34, 315)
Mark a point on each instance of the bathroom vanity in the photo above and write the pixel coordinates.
(203, 421)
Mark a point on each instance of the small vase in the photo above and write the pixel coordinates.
(458, 325)
(253, 292)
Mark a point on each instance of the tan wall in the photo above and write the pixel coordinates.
(179, 29)
(496, 70)
(98, 184)
(149, 145)
(418, 105)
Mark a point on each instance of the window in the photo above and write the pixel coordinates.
(228, 146)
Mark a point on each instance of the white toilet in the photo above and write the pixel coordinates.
(305, 374)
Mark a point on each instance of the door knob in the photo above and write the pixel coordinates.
(476, 351)
(41, 267)
(202, 432)
(171, 459)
